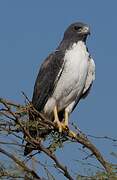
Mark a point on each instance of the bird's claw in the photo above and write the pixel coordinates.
(61, 126)
(58, 125)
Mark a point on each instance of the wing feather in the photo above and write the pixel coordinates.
(88, 83)
(90, 77)
(47, 78)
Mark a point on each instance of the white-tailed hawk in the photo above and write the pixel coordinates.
(65, 76)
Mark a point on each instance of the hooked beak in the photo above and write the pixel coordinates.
(85, 30)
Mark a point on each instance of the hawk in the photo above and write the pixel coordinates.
(65, 77)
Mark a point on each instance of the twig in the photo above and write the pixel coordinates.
(10, 143)
(10, 103)
(23, 93)
(89, 164)
(9, 175)
(58, 164)
(103, 137)
(86, 142)
(40, 147)
(20, 163)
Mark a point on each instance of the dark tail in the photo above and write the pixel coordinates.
(41, 135)
(28, 149)
(39, 132)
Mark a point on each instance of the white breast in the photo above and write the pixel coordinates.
(73, 77)
(76, 63)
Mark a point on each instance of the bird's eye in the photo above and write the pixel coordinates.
(76, 28)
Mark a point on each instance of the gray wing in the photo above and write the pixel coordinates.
(45, 84)
(89, 81)
(90, 78)
(47, 78)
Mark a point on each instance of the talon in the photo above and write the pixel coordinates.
(65, 127)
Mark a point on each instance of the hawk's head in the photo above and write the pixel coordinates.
(77, 31)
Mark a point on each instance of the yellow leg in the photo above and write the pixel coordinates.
(56, 119)
(64, 123)
(66, 119)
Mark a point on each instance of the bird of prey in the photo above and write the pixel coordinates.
(65, 77)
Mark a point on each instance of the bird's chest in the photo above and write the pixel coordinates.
(76, 63)
(74, 74)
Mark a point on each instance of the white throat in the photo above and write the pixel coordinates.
(77, 53)
(80, 45)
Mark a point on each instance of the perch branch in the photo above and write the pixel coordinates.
(80, 138)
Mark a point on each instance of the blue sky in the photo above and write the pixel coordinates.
(30, 30)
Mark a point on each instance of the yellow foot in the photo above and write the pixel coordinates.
(58, 125)
(65, 122)
(62, 126)
(56, 120)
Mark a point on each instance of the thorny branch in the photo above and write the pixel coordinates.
(35, 143)
(15, 113)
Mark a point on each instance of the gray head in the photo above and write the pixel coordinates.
(77, 31)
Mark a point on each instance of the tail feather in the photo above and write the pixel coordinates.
(41, 135)
(28, 149)
(39, 132)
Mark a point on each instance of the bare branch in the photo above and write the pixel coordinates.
(86, 142)
(70, 135)
(103, 137)
(20, 163)
(11, 143)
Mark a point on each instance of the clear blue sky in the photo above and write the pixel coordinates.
(30, 30)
